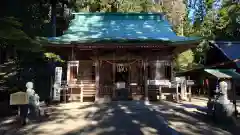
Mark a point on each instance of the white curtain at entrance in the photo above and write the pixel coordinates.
(158, 70)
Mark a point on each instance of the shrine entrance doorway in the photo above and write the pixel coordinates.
(122, 73)
(122, 81)
(121, 76)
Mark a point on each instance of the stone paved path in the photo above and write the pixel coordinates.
(119, 118)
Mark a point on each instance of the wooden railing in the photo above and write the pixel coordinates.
(137, 90)
(77, 90)
(87, 88)
(105, 90)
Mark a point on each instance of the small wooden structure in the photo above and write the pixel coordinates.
(213, 76)
(116, 55)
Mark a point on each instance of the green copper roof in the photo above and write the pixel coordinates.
(127, 27)
(223, 73)
(216, 73)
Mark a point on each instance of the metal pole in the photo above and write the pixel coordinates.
(145, 79)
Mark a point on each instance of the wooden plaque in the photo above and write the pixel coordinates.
(19, 98)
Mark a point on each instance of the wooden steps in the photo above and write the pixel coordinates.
(88, 88)
(89, 91)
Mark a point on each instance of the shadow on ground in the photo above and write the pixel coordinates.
(196, 121)
(125, 118)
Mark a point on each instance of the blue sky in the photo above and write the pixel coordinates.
(193, 5)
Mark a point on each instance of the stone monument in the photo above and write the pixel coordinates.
(30, 91)
(221, 107)
(33, 105)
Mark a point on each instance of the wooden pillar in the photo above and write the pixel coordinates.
(129, 77)
(208, 89)
(114, 73)
(97, 78)
(145, 79)
(172, 72)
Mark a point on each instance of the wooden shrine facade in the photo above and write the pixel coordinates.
(119, 73)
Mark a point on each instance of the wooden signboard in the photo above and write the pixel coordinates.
(19, 98)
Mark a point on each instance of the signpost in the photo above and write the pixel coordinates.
(21, 100)
(57, 84)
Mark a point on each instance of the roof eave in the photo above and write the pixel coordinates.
(157, 41)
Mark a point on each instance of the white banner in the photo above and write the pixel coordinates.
(57, 83)
(56, 94)
(58, 75)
